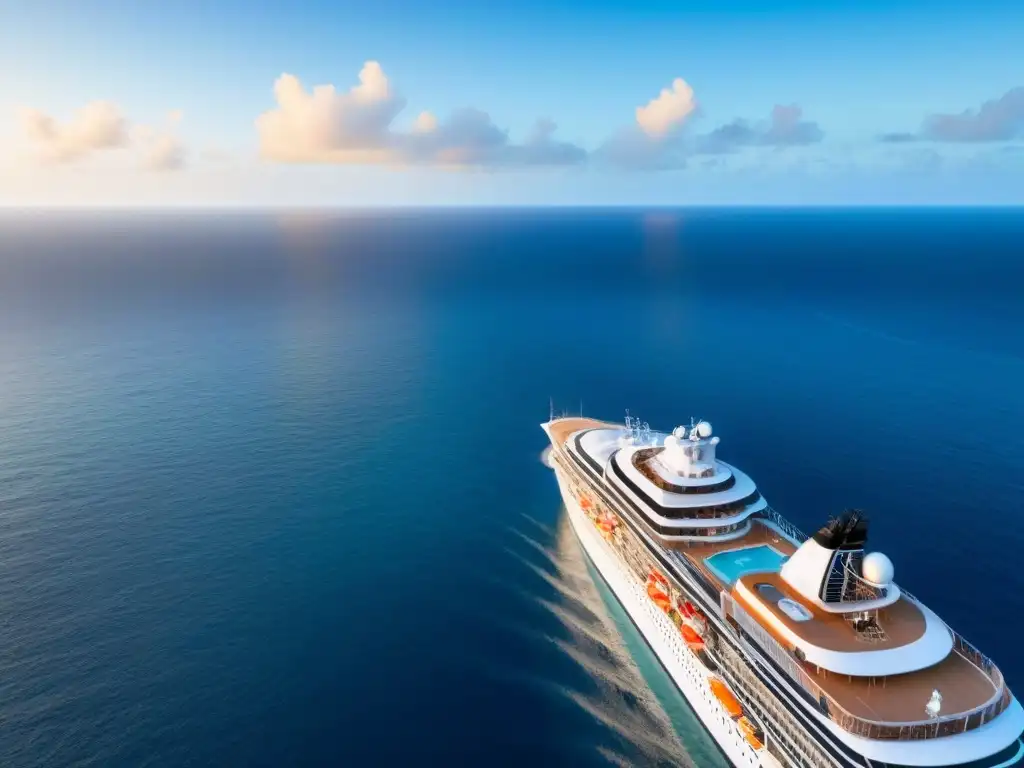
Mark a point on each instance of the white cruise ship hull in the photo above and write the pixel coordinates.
(663, 637)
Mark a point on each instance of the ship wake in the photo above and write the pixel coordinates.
(616, 695)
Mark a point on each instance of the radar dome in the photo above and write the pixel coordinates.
(679, 432)
(877, 568)
(704, 429)
(671, 441)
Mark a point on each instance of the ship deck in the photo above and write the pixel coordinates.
(902, 698)
(876, 707)
(902, 622)
(561, 429)
(697, 552)
(892, 699)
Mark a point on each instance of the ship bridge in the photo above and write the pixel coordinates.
(672, 480)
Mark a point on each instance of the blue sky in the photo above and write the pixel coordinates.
(856, 71)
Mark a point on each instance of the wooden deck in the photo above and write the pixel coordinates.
(562, 428)
(897, 698)
(902, 622)
(902, 698)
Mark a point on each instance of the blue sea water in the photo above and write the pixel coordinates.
(269, 482)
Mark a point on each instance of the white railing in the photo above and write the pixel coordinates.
(784, 525)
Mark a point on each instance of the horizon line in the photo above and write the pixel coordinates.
(341, 208)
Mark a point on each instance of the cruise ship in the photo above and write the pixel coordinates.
(792, 650)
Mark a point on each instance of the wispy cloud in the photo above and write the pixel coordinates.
(355, 127)
(784, 128)
(661, 139)
(97, 126)
(162, 150)
(898, 137)
(999, 119)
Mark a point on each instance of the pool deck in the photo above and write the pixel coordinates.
(731, 558)
(698, 552)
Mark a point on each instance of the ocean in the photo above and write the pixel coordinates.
(270, 488)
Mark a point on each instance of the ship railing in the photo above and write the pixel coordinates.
(827, 705)
(784, 525)
(968, 651)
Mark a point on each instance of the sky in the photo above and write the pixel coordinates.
(394, 102)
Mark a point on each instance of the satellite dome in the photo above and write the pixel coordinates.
(671, 441)
(704, 429)
(877, 568)
(679, 432)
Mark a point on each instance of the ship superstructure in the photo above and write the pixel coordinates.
(793, 650)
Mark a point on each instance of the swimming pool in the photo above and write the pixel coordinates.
(729, 566)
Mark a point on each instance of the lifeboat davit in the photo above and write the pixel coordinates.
(694, 618)
(698, 623)
(725, 696)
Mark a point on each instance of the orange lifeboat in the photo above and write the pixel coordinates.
(725, 696)
(658, 577)
(750, 733)
(693, 640)
(660, 598)
(585, 502)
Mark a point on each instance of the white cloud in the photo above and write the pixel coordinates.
(657, 141)
(165, 153)
(100, 125)
(161, 148)
(668, 111)
(96, 126)
(324, 126)
(355, 127)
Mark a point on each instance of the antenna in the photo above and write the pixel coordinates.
(551, 408)
(581, 407)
